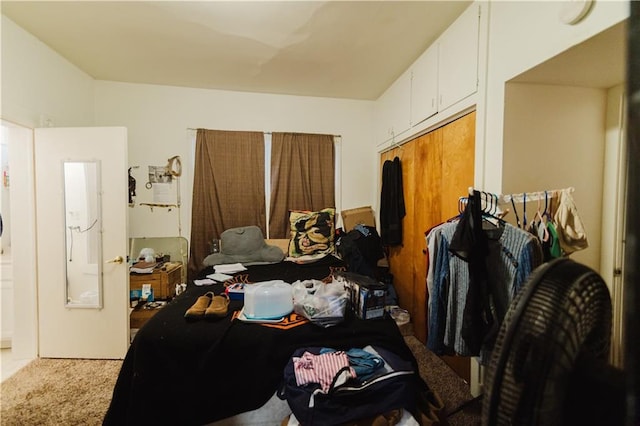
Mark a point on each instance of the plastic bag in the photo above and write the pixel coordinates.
(322, 304)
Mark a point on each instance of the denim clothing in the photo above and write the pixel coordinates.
(364, 363)
(513, 254)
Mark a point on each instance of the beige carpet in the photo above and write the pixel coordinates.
(459, 405)
(58, 392)
(77, 392)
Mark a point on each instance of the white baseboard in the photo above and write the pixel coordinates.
(477, 377)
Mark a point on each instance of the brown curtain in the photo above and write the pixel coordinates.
(302, 177)
(228, 188)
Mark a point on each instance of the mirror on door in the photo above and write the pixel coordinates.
(83, 227)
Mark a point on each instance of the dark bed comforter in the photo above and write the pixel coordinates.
(181, 372)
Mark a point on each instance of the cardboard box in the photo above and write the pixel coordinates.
(357, 216)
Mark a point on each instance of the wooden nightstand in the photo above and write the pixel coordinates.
(140, 315)
(163, 280)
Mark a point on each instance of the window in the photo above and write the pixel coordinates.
(252, 178)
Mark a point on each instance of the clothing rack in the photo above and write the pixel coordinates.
(525, 196)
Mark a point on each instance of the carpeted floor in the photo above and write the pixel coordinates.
(459, 404)
(58, 392)
(77, 392)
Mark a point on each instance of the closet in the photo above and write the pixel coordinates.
(437, 169)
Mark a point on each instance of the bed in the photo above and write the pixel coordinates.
(187, 372)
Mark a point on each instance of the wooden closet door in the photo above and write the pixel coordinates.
(437, 169)
(399, 255)
(458, 141)
(444, 169)
(426, 212)
(458, 158)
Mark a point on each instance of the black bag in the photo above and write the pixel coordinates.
(355, 399)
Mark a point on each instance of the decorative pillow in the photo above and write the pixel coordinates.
(311, 232)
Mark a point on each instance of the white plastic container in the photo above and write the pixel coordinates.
(268, 300)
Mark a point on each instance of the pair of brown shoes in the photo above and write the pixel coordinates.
(209, 306)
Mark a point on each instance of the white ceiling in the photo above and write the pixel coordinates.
(342, 49)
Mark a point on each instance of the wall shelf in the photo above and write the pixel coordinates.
(159, 205)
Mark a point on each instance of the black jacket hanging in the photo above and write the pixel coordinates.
(470, 243)
(392, 208)
(132, 187)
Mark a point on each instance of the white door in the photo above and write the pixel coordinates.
(613, 215)
(94, 324)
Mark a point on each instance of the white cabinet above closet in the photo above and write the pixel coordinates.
(392, 110)
(458, 59)
(424, 85)
(445, 74)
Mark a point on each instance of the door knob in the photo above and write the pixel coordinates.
(117, 259)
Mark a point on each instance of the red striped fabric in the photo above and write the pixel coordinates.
(310, 368)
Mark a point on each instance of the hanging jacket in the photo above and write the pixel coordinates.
(392, 208)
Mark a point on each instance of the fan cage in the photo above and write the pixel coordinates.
(560, 316)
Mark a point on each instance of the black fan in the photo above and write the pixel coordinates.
(549, 364)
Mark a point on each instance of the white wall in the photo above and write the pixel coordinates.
(157, 119)
(40, 85)
(554, 138)
(523, 34)
(40, 88)
(37, 85)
